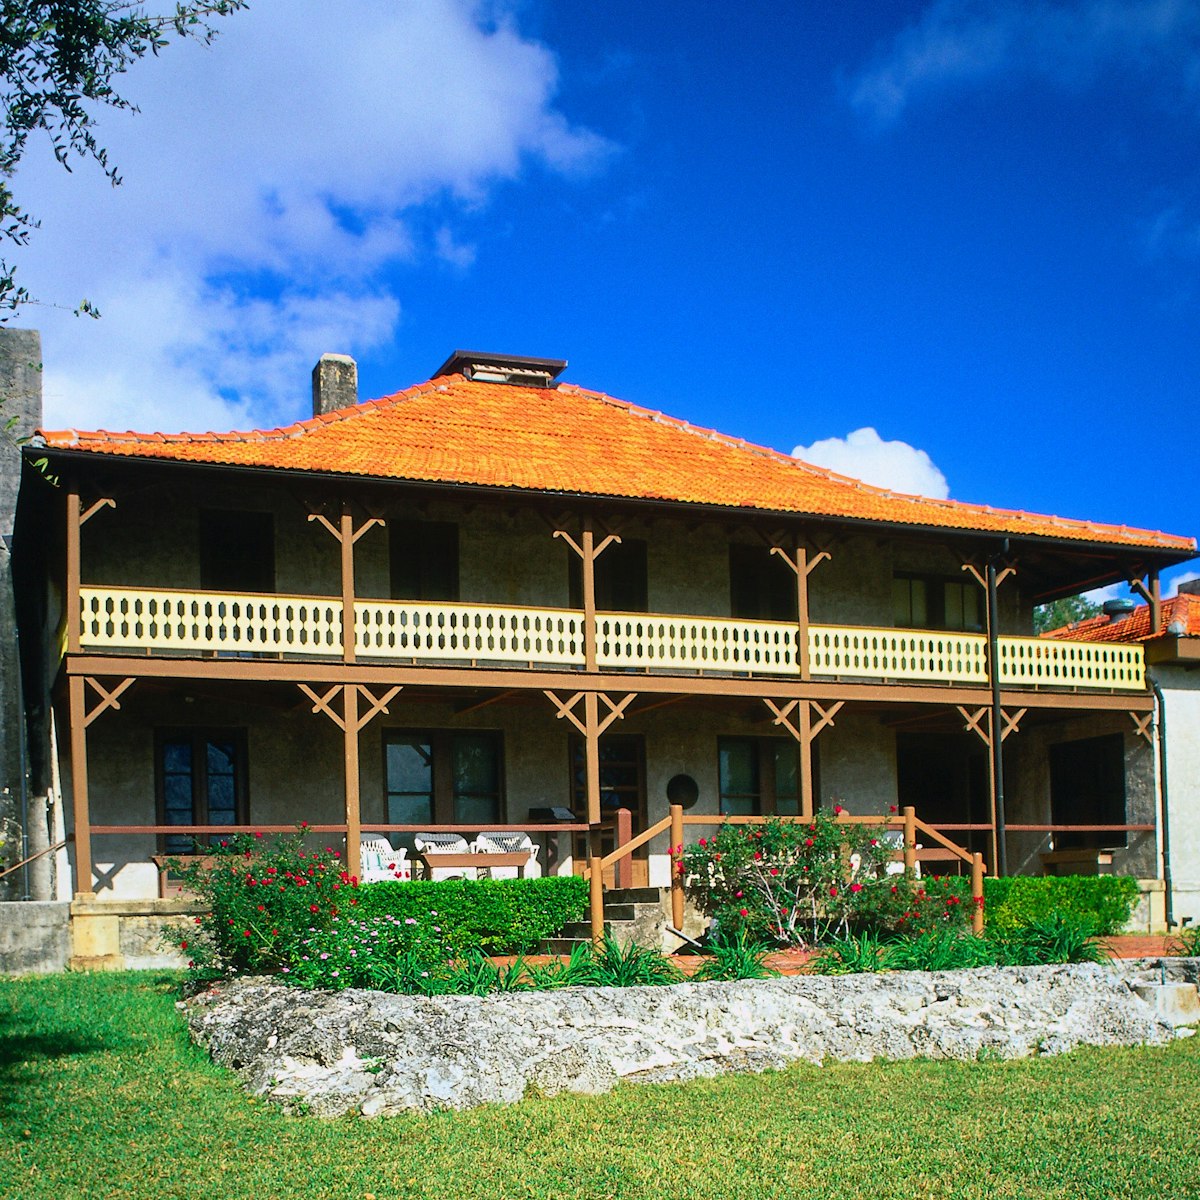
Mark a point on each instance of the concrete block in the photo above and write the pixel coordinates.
(1176, 1003)
(34, 937)
(96, 942)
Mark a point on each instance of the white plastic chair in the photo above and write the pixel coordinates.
(379, 862)
(445, 843)
(495, 842)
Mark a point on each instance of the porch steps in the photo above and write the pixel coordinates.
(630, 915)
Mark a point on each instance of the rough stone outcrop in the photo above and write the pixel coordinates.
(375, 1053)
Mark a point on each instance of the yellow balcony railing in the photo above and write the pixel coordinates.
(169, 621)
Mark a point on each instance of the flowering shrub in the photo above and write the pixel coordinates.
(790, 882)
(265, 897)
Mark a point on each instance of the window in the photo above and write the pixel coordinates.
(622, 775)
(424, 560)
(620, 578)
(200, 780)
(761, 776)
(933, 602)
(1087, 787)
(944, 776)
(762, 587)
(439, 777)
(237, 551)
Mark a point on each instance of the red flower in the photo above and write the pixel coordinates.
(261, 908)
(303, 824)
(774, 871)
(808, 841)
(183, 945)
(745, 912)
(895, 889)
(703, 842)
(257, 834)
(838, 810)
(855, 888)
(313, 908)
(833, 891)
(738, 895)
(274, 932)
(891, 808)
(246, 934)
(224, 843)
(757, 855)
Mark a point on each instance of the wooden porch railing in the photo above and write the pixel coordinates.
(677, 819)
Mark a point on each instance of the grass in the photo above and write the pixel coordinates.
(102, 1095)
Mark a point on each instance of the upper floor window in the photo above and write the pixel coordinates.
(237, 551)
(762, 587)
(935, 602)
(424, 560)
(620, 578)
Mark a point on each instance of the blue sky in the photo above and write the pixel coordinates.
(971, 227)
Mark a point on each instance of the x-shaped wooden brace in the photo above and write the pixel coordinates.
(375, 704)
(980, 576)
(1143, 724)
(336, 531)
(824, 716)
(616, 710)
(107, 699)
(974, 720)
(92, 509)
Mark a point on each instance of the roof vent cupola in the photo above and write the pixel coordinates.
(503, 368)
(1118, 610)
(334, 383)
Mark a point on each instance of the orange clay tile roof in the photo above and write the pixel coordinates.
(570, 440)
(1184, 609)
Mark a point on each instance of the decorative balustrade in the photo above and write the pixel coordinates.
(695, 644)
(468, 632)
(166, 621)
(916, 654)
(159, 619)
(1049, 662)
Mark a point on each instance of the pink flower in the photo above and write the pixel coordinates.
(738, 895)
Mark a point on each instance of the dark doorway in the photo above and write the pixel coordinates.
(944, 776)
(1087, 787)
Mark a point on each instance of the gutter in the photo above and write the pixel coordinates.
(1168, 898)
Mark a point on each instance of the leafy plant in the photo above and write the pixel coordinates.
(632, 966)
(1186, 941)
(477, 975)
(1103, 902)
(735, 957)
(938, 950)
(579, 970)
(1057, 938)
(851, 955)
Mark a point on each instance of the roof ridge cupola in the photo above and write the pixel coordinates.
(503, 368)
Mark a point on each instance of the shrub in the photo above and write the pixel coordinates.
(1186, 941)
(788, 882)
(1101, 903)
(1056, 938)
(736, 958)
(938, 950)
(265, 896)
(500, 916)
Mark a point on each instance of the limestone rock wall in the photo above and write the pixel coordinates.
(375, 1053)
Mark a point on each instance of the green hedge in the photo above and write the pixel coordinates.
(1016, 901)
(501, 916)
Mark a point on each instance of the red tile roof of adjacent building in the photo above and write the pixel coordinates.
(1183, 611)
(566, 439)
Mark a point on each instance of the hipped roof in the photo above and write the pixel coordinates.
(569, 440)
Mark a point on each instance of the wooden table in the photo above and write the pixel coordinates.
(431, 860)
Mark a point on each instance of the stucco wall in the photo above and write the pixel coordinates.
(1181, 690)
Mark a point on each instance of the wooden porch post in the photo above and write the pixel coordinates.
(73, 615)
(350, 754)
(1155, 602)
(977, 893)
(805, 740)
(346, 538)
(81, 816)
(588, 567)
(796, 717)
(591, 759)
(677, 880)
(802, 632)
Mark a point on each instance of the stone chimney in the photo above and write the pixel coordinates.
(1190, 587)
(334, 383)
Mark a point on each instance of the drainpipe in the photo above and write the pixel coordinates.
(1169, 906)
(993, 619)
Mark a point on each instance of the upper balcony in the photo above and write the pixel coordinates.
(173, 622)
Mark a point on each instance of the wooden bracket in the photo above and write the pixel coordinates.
(88, 513)
(1143, 725)
(1011, 723)
(107, 699)
(597, 549)
(793, 559)
(805, 731)
(616, 710)
(979, 574)
(375, 704)
(337, 533)
(1136, 585)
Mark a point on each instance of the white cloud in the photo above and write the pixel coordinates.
(1186, 576)
(286, 160)
(864, 455)
(963, 42)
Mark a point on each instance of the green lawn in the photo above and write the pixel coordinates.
(101, 1095)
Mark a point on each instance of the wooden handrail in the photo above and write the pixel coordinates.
(944, 841)
(33, 858)
(636, 843)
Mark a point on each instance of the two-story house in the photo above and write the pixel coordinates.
(494, 593)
